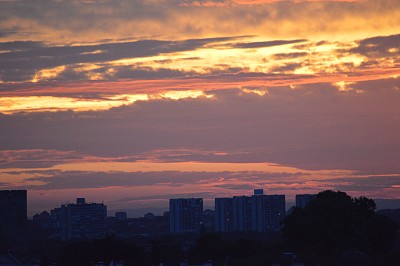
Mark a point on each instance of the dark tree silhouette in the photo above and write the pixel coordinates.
(334, 223)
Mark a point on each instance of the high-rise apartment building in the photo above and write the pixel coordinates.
(302, 200)
(223, 215)
(257, 213)
(13, 212)
(275, 211)
(81, 220)
(185, 215)
(242, 214)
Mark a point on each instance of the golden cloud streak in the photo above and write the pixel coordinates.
(311, 19)
(175, 89)
(10, 105)
(134, 87)
(225, 3)
(46, 74)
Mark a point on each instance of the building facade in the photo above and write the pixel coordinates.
(81, 220)
(13, 213)
(302, 200)
(185, 215)
(223, 215)
(242, 214)
(257, 213)
(275, 211)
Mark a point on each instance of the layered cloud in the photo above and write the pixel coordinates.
(134, 101)
(39, 77)
(311, 126)
(155, 59)
(77, 21)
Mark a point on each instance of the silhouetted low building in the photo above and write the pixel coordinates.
(149, 215)
(43, 219)
(121, 216)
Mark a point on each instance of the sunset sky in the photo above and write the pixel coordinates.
(133, 102)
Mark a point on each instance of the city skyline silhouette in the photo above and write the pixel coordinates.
(131, 103)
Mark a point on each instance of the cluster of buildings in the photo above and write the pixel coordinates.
(76, 220)
(255, 213)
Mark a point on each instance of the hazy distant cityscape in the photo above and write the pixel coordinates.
(256, 213)
(259, 217)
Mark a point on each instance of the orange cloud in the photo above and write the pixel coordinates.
(294, 19)
(211, 3)
(103, 95)
(134, 87)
